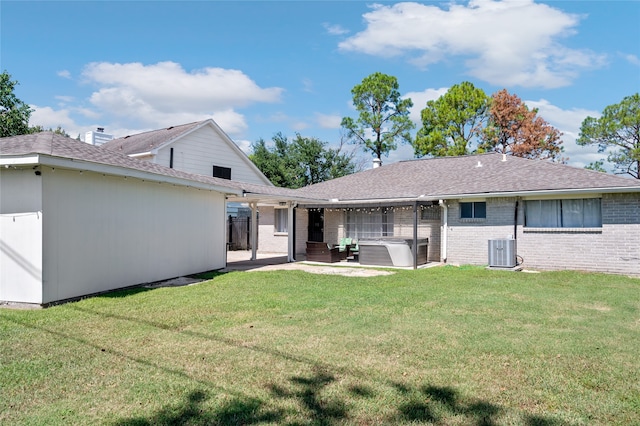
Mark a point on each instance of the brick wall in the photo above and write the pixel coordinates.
(268, 240)
(613, 248)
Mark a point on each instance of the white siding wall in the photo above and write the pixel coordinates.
(20, 236)
(199, 151)
(104, 232)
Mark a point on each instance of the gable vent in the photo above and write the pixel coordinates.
(222, 172)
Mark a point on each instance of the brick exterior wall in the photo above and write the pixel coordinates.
(613, 248)
(268, 240)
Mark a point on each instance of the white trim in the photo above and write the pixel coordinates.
(561, 197)
(123, 171)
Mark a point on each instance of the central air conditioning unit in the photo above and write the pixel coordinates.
(502, 253)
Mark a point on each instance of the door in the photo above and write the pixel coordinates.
(316, 225)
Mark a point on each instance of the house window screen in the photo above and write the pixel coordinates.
(579, 213)
(475, 210)
(281, 220)
(369, 224)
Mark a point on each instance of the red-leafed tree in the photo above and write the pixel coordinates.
(513, 128)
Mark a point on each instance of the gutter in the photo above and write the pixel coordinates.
(548, 192)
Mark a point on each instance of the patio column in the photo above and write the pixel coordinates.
(291, 232)
(254, 230)
(415, 235)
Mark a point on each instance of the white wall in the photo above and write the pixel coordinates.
(104, 232)
(20, 236)
(200, 150)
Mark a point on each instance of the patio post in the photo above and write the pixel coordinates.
(415, 235)
(290, 231)
(254, 230)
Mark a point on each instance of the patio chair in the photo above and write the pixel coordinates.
(343, 247)
(322, 252)
(354, 250)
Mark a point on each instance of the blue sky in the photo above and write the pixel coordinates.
(264, 67)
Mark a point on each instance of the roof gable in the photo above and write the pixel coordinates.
(153, 141)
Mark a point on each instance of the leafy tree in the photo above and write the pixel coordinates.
(619, 129)
(451, 122)
(58, 130)
(14, 114)
(597, 166)
(514, 129)
(301, 162)
(384, 116)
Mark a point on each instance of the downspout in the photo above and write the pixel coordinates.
(515, 222)
(443, 232)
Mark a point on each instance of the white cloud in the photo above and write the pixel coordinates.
(64, 74)
(568, 122)
(506, 43)
(420, 100)
(328, 121)
(632, 59)
(157, 94)
(49, 118)
(334, 29)
(244, 145)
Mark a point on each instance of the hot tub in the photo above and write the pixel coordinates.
(390, 251)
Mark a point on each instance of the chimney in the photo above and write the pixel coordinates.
(377, 163)
(100, 130)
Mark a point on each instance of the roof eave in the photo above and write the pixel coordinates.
(541, 192)
(82, 165)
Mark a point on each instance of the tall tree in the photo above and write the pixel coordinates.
(300, 162)
(618, 129)
(14, 114)
(383, 115)
(58, 130)
(514, 129)
(452, 122)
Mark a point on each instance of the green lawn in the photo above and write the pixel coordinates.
(448, 346)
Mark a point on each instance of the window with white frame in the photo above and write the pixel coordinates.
(574, 213)
(366, 223)
(281, 221)
(473, 210)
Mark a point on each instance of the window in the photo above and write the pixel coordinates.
(281, 221)
(222, 172)
(579, 213)
(369, 224)
(474, 210)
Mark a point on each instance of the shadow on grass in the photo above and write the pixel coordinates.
(194, 412)
(439, 404)
(427, 404)
(140, 288)
(435, 404)
(307, 391)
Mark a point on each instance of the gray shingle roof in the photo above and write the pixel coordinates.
(52, 144)
(147, 141)
(475, 174)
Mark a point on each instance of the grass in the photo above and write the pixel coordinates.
(452, 346)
